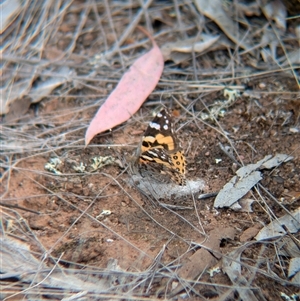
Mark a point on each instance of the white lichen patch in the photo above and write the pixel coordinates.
(99, 162)
(53, 165)
(219, 107)
(79, 168)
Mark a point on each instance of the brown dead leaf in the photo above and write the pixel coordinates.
(214, 10)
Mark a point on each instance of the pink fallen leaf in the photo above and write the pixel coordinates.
(130, 93)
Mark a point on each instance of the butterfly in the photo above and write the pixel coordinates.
(160, 155)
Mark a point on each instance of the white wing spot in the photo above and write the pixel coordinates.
(154, 125)
(162, 156)
(154, 154)
(159, 115)
(166, 127)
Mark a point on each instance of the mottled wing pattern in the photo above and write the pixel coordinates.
(160, 153)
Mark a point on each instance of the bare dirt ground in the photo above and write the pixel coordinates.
(97, 226)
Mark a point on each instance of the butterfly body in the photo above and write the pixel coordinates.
(160, 154)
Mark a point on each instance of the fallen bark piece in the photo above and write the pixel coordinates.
(274, 229)
(247, 176)
(203, 259)
(234, 271)
(235, 189)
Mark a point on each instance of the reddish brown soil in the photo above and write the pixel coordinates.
(138, 228)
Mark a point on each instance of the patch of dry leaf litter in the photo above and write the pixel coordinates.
(205, 253)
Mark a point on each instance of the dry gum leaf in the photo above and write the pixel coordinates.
(130, 93)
